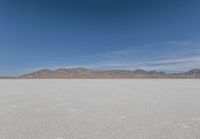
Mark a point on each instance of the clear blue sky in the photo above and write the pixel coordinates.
(100, 34)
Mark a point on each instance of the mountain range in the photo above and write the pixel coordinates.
(83, 73)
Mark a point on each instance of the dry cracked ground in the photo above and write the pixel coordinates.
(100, 109)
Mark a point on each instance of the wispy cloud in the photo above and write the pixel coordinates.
(168, 56)
(173, 56)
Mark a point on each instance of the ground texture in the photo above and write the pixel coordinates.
(100, 109)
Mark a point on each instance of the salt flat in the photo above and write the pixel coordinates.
(100, 109)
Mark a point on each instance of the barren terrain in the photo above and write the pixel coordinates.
(100, 109)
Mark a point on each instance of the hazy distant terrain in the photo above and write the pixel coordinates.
(99, 109)
(82, 73)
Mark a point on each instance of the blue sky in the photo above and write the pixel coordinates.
(107, 34)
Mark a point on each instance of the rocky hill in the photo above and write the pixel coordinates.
(82, 73)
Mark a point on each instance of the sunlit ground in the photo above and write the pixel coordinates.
(100, 109)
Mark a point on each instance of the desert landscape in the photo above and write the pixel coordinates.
(99, 69)
(100, 109)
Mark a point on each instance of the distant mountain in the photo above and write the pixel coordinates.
(82, 73)
(194, 73)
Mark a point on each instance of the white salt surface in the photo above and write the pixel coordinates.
(100, 109)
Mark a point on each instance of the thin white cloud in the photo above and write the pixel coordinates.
(168, 56)
(173, 56)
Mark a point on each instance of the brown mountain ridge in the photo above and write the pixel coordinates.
(83, 73)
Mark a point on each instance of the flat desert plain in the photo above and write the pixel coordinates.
(100, 109)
